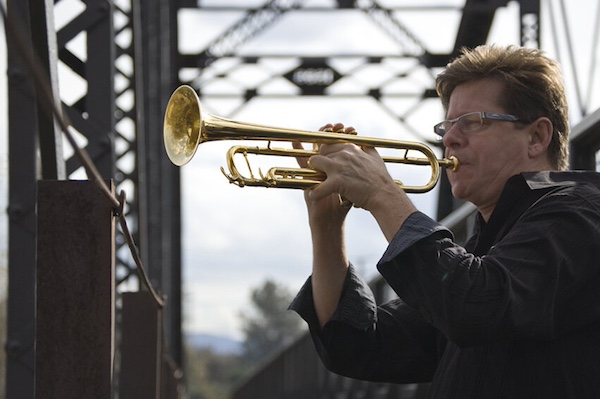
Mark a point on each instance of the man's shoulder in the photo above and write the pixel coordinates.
(549, 179)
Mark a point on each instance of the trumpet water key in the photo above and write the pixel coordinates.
(186, 127)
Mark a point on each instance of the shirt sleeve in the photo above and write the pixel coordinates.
(535, 283)
(388, 343)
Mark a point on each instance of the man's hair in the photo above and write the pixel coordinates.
(533, 88)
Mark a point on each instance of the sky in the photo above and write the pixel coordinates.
(236, 238)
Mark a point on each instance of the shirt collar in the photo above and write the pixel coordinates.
(519, 193)
(547, 179)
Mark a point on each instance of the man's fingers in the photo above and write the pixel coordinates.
(302, 161)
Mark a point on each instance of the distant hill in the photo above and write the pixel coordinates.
(219, 344)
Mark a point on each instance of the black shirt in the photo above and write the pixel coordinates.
(513, 314)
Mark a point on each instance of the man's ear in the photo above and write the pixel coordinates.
(540, 136)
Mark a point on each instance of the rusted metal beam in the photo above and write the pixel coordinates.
(141, 346)
(75, 291)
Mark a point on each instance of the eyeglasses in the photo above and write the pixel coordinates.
(471, 122)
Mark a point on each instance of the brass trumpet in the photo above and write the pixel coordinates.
(186, 127)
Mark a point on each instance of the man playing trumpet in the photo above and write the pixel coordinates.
(515, 312)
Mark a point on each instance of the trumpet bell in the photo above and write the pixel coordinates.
(182, 128)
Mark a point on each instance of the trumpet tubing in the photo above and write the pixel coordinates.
(186, 127)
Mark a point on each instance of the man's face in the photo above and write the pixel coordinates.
(488, 156)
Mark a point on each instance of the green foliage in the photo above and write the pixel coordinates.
(269, 326)
(212, 375)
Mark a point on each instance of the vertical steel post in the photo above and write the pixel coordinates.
(25, 123)
(159, 190)
(141, 346)
(530, 23)
(75, 292)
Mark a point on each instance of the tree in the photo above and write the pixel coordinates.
(212, 375)
(269, 326)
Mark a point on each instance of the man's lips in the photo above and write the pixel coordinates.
(460, 160)
(462, 163)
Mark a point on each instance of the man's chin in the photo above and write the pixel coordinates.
(458, 191)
